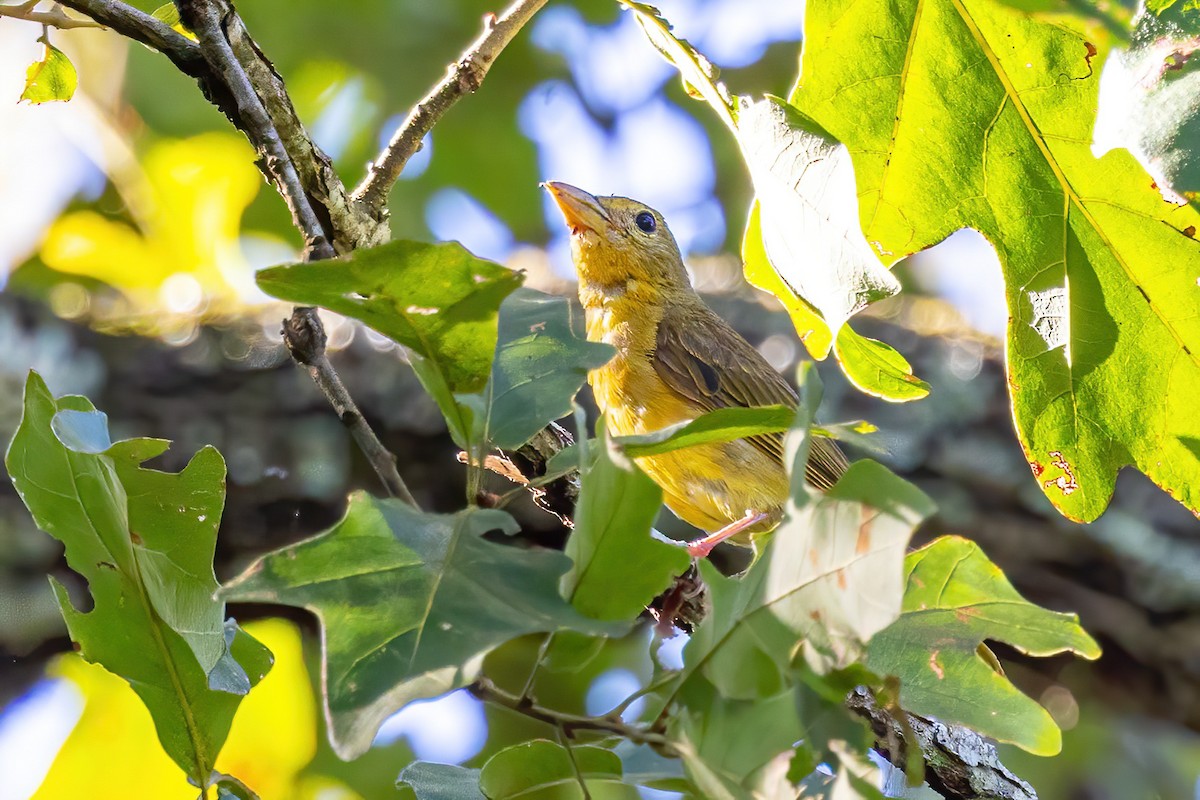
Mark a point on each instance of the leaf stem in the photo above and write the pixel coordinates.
(488, 692)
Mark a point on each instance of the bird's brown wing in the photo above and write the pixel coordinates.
(699, 356)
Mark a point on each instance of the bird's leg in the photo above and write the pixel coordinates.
(703, 546)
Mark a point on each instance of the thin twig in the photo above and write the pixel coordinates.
(305, 338)
(205, 18)
(462, 77)
(488, 692)
(55, 17)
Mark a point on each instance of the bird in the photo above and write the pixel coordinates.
(676, 359)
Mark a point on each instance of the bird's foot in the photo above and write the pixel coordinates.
(700, 548)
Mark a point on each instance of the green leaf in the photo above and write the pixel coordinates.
(617, 505)
(438, 300)
(956, 598)
(810, 327)
(877, 369)
(409, 604)
(830, 578)
(859, 433)
(51, 77)
(144, 540)
(544, 770)
(721, 425)
(972, 114)
(540, 365)
(431, 781)
(717, 729)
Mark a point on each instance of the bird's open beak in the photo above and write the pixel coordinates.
(581, 210)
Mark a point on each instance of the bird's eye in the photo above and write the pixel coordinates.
(645, 221)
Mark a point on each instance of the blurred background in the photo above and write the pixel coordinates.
(131, 223)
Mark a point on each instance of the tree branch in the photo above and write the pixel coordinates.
(463, 77)
(959, 763)
(141, 27)
(55, 17)
(237, 77)
(206, 18)
(488, 692)
(305, 339)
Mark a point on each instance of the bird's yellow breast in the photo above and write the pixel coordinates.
(709, 486)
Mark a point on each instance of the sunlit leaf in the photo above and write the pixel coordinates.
(877, 369)
(409, 604)
(804, 185)
(955, 599)
(168, 13)
(721, 425)
(144, 540)
(51, 77)
(810, 327)
(699, 75)
(967, 113)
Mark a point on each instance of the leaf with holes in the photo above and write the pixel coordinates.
(144, 540)
(409, 604)
(955, 599)
(968, 113)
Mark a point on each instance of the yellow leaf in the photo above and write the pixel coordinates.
(187, 209)
(113, 751)
(51, 77)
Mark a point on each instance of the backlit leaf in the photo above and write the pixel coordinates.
(877, 369)
(968, 113)
(51, 77)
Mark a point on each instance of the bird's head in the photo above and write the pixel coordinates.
(615, 240)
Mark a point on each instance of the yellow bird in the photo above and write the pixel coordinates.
(676, 360)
